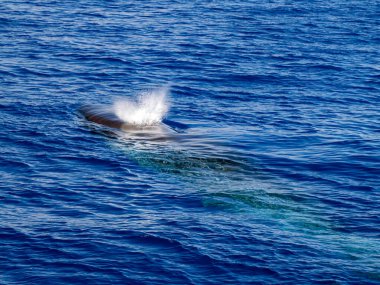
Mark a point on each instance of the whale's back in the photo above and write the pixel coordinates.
(101, 115)
(105, 116)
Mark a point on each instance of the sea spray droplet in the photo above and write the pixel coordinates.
(149, 108)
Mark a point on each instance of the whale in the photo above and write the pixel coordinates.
(105, 116)
(167, 131)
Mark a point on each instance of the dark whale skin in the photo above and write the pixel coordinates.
(101, 115)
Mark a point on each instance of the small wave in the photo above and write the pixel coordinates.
(148, 109)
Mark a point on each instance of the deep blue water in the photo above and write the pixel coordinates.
(273, 180)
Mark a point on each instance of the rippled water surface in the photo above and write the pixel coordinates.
(269, 173)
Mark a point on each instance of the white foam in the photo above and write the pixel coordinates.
(149, 108)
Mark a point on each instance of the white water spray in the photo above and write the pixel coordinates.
(149, 108)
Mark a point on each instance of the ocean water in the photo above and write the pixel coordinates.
(269, 173)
